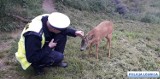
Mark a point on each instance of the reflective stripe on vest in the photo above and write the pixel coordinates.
(21, 53)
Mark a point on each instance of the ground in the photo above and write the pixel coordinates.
(7, 40)
(48, 6)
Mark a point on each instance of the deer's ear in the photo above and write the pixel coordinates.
(83, 37)
(90, 37)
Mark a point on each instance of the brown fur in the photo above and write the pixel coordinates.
(104, 29)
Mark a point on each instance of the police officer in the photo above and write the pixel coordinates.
(43, 41)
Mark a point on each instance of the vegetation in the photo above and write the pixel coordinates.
(9, 11)
(93, 6)
(135, 43)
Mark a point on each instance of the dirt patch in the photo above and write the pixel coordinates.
(48, 6)
(7, 39)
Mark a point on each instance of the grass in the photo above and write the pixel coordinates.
(82, 66)
(26, 9)
(93, 6)
(5, 37)
(135, 47)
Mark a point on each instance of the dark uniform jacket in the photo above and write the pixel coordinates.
(34, 52)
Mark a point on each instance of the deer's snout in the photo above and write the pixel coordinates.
(82, 49)
(83, 45)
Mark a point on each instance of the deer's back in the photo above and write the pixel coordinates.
(103, 29)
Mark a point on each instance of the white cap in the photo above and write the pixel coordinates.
(58, 20)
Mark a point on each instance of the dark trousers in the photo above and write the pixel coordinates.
(54, 57)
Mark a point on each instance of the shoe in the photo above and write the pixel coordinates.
(62, 64)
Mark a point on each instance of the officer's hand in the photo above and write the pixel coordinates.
(52, 44)
(80, 33)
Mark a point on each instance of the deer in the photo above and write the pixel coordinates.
(94, 37)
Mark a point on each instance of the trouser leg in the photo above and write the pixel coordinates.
(53, 58)
(62, 39)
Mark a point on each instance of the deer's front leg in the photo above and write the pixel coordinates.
(109, 42)
(97, 49)
(90, 48)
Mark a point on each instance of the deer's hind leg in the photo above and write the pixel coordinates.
(109, 38)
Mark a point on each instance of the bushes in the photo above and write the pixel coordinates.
(3, 4)
(90, 5)
(23, 8)
(147, 18)
(8, 6)
(155, 3)
(5, 23)
(129, 9)
(121, 8)
(151, 18)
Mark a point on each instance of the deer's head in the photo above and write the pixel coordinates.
(85, 42)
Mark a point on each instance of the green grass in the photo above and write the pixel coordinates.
(151, 18)
(125, 56)
(2, 55)
(93, 6)
(26, 9)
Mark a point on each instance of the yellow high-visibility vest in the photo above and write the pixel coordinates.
(35, 26)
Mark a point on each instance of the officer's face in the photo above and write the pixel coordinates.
(55, 31)
(51, 29)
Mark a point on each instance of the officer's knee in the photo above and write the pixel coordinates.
(60, 57)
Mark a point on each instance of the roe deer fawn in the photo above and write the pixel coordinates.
(93, 37)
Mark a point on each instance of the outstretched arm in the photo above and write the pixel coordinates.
(80, 33)
(73, 32)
